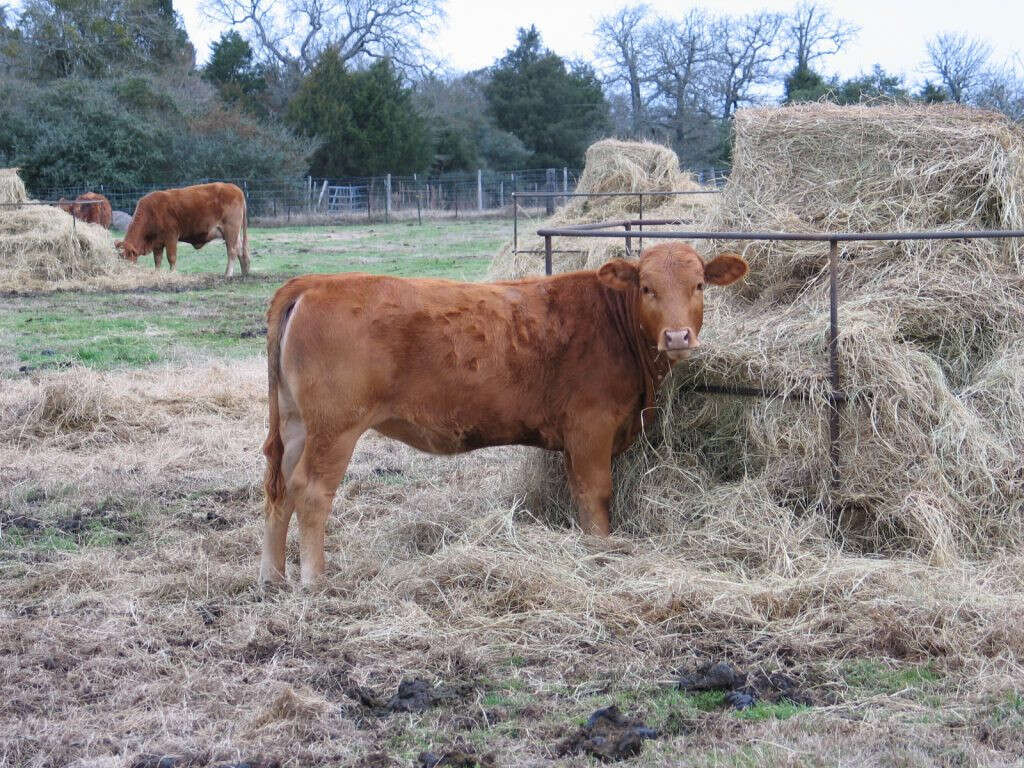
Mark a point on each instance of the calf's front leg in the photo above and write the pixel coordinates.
(589, 465)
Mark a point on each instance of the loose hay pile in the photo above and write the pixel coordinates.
(611, 166)
(44, 248)
(931, 349)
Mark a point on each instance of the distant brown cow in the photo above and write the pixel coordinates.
(193, 215)
(91, 207)
(566, 363)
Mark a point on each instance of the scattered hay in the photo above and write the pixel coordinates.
(163, 644)
(44, 248)
(611, 166)
(932, 338)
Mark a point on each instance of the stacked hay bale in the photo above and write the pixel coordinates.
(931, 349)
(611, 166)
(41, 245)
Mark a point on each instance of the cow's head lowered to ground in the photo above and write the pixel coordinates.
(668, 285)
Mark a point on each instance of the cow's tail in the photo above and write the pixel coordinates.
(280, 311)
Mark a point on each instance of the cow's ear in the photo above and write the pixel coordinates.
(725, 269)
(119, 245)
(619, 275)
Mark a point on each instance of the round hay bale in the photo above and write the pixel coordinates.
(611, 166)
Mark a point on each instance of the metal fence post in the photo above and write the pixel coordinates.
(479, 189)
(547, 254)
(515, 223)
(387, 199)
(833, 365)
(641, 222)
(549, 207)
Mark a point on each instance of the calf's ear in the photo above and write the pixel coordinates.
(119, 245)
(725, 269)
(619, 275)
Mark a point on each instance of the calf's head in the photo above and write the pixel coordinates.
(667, 285)
(127, 252)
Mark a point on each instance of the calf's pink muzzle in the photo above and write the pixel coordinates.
(674, 341)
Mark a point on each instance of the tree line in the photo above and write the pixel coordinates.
(109, 92)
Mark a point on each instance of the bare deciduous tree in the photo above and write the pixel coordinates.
(746, 55)
(621, 49)
(293, 33)
(683, 54)
(812, 33)
(960, 62)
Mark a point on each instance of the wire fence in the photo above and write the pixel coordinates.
(312, 200)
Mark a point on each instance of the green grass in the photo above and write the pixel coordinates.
(866, 677)
(225, 318)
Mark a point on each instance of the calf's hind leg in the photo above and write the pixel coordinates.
(311, 490)
(279, 514)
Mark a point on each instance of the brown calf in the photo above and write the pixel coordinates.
(91, 207)
(566, 363)
(194, 215)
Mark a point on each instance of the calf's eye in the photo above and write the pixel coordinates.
(700, 286)
(647, 291)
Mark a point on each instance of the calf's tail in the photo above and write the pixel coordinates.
(281, 307)
(245, 228)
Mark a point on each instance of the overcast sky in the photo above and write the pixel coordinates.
(892, 32)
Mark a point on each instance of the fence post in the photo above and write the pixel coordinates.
(565, 183)
(515, 224)
(549, 200)
(369, 187)
(455, 194)
(501, 194)
(387, 200)
(419, 215)
(323, 191)
(479, 189)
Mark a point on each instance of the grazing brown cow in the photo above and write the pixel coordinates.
(91, 207)
(193, 215)
(566, 363)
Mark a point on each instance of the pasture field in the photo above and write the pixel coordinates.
(133, 629)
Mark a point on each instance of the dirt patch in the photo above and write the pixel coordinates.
(609, 736)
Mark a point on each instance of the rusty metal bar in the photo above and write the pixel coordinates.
(833, 373)
(641, 222)
(547, 255)
(619, 195)
(629, 243)
(839, 237)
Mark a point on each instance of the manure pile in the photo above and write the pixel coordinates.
(611, 166)
(931, 351)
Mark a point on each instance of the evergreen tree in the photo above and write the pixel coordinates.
(554, 109)
(365, 120)
(804, 84)
(232, 70)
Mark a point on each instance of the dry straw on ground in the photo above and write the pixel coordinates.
(44, 248)
(611, 166)
(932, 335)
(163, 644)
